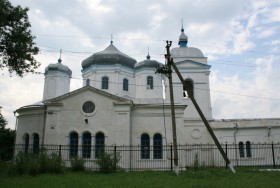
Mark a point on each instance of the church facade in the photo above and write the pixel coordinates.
(121, 103)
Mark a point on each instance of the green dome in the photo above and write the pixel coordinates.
(147, 63)
(58, 67)
(110, 56)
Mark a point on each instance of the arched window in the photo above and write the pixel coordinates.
(26, 142)
(241, 149)
(35, 143)
(74, 138)
(150, 82)
(99, 144)
(87, 82)
(157, 146)
(189, 86)
(86, 146)
(145, 146)
(105, 82)
(248, 149)
(125, 84)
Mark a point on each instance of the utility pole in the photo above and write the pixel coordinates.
(188, 87)
(167, 71)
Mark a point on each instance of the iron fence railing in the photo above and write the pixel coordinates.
(137, 158)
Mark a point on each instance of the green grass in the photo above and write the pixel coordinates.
(202, 178)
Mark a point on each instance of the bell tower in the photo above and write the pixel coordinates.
(194, 68)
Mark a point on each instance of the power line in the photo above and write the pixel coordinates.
(144, 85)
(155, 86)
(220, 62)
(148, 39)
(98, 37)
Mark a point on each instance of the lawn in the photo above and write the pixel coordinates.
(201, 178)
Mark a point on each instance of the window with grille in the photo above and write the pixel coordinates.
(73, 144)
(26, 143)
(150, 82)
(88, 107)
(36, 143)
(105, 83)
(248, 149)
(99, 145)
(125, 84)
(157, 145)
(145, 146)
(86, 146)
(241, 149)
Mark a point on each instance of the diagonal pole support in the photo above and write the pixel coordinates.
(206, 123)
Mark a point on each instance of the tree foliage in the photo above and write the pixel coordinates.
(7, 137)
(17, 47)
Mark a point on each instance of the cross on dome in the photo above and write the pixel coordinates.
(111, 39)
(60, 52)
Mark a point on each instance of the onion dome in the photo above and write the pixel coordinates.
(110, 56)
(184, 50)
(147, 63)
(58, 67)
(183, 38)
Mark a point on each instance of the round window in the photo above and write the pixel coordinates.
(88, 107)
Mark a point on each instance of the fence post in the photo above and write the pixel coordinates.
(115, 157)
(273, 156)
(59, 151)
(171, 157)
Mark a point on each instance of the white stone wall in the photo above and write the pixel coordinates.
(29, 121)
(142, 91)
(200, 77)
(242, 130)
(56, 83)
(68, 116)
(116, 74)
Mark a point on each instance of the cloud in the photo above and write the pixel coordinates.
(256, 97)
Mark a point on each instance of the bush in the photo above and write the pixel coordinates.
(35, 164)
(196, 162)
(108, 162)
(77, 164)
(56, 165)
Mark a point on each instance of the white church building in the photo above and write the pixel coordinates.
(121, 104)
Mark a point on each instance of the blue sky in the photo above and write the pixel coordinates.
(241, 39)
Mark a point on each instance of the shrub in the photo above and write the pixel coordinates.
(56, 165)
(77, 164)
(35, 164)
(108, 162)
(196, 162)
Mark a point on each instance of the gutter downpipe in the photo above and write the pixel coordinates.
(44, 126)
(234, 136)
(15, 138)
(130, 139)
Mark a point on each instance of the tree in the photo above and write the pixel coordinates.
(17, 47)
(7, 137)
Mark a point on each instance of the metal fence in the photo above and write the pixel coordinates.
(137, 158)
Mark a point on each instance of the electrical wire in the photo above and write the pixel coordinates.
(196, 88)
(160, 55)
(146, 39)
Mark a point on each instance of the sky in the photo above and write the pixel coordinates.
(241, 39)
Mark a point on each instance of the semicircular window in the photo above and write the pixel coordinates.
(88, 107)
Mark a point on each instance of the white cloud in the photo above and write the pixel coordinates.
(96, 7)
(256, 97)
